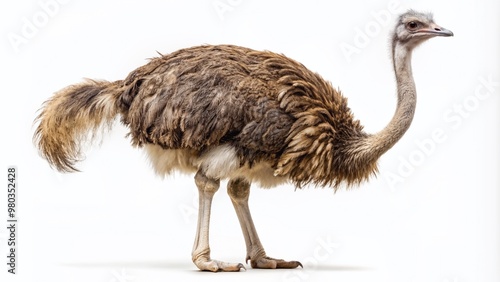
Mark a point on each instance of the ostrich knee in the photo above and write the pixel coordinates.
(206, 185)
(238, 190)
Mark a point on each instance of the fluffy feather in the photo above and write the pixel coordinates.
(268, 108)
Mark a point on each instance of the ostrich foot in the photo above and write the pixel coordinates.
(272, 263)
(215, 265)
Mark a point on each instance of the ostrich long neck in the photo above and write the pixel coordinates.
(379, 143)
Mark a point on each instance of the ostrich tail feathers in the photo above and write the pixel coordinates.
(66, 120)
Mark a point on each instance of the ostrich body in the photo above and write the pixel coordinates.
(228, 112)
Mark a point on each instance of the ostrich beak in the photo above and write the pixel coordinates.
(435, 30)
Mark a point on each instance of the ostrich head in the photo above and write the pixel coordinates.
(413, 28)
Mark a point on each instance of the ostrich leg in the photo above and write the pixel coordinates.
(201, 249)
(239, 191)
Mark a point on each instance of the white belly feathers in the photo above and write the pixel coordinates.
(221, 162)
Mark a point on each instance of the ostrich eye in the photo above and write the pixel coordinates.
(412, 25)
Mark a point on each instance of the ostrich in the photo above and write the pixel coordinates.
(228, 112)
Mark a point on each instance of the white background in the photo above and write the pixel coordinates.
(431, 214)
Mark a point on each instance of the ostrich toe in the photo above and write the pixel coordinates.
(272, 263)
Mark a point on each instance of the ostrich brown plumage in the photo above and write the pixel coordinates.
(228, 112)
